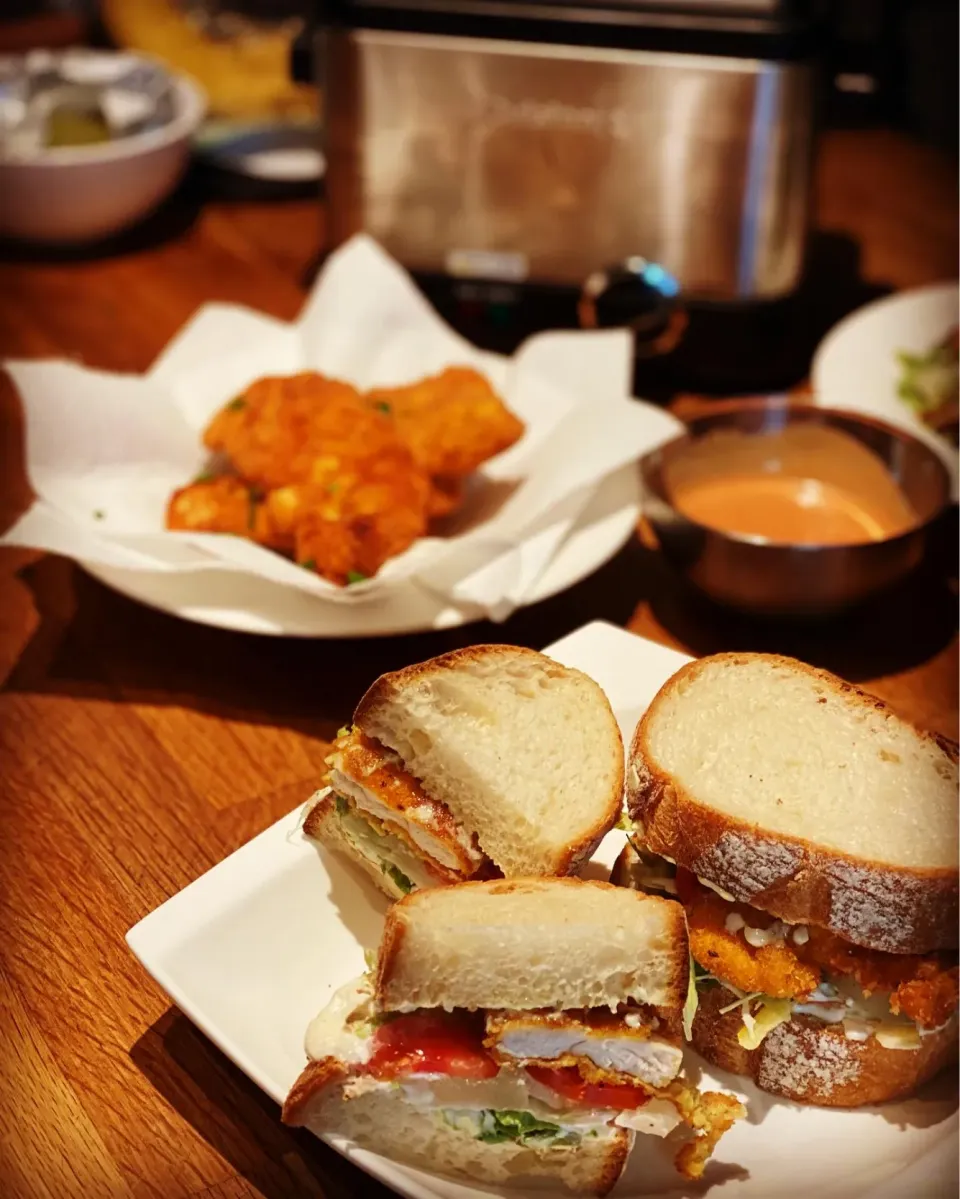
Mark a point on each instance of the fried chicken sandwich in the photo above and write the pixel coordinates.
(811, 835)
(514, 1030)
(492, 760)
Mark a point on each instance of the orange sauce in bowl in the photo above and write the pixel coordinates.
(800, 485)
(779, 508)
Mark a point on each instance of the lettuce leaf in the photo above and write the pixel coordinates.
(768, 1015)
(690, 1007)
(401, 880)
(523, 1128)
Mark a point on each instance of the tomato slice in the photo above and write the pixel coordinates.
(568, 1082)
(434, 1042)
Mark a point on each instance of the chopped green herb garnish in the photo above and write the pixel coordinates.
(355, 576)
(401, 880)
(205, 476)
(383, 406)
(98, 514)
(237, 404)
(310, 564)
(333, 488)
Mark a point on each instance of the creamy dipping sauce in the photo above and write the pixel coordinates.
(783, 509)
(804, 484)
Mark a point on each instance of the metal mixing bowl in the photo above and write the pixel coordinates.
(761, 576)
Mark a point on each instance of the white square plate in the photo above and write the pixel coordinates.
(253, 949)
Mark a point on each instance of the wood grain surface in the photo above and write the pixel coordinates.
(137, 750)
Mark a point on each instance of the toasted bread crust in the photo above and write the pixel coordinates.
(314, 1078)
(388, 687)
(889, 908)
(399, 915)
(812, 1062)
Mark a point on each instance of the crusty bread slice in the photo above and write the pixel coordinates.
(381, 1120)
(321, 824)
(812, 1062)
(532, 943)
(524, 752)
(802, 795)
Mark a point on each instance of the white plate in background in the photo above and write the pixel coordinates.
(253, 949)
(856, 365)
(247, 604)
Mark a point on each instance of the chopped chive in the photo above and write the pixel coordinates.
(355, 576)
(98, 514)
(237, 404)
(383, 406)
(310, 564)
(205, 476)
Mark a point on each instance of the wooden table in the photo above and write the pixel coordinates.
(136, 750)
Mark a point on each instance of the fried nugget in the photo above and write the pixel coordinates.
(451, 422)
(226, 505)
(277, 430)
(348, 526)
(446, 496)
(353, 548)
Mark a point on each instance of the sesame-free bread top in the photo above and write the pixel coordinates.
(532, 943)
(524, 752)
(803, 795)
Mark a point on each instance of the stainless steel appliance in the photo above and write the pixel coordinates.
(503, 148)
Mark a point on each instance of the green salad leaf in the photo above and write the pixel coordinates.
(404, 883)
(522, 1127)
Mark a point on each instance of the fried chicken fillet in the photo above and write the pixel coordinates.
(923, 988)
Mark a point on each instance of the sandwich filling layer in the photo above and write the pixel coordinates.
(455, 1065)
(776, 970)
(387, 817)
(624, 1043)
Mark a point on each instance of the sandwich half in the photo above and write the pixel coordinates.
(515, 1029)
(488, 761)
(811, 835)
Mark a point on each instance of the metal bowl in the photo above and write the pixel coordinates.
(771, 578)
